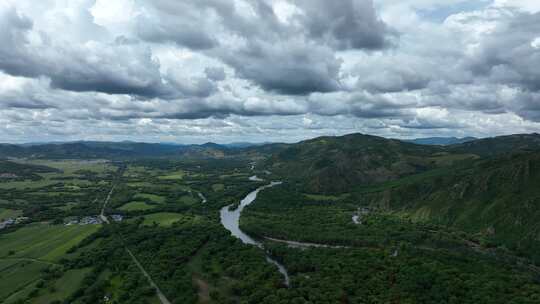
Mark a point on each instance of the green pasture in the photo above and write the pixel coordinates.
(16, 276)
(173, 176)
(43, 242)
(9, 213)
(218, 187)
(153, 197)
(64, 286)
(166, 219)
(136, 206)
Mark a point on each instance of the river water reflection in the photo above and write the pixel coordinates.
(230, 219)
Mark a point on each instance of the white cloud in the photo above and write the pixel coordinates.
(280, 69)
(532, 6)
(536, 43)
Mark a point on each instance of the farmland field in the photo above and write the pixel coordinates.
(9, 213)
(64, 286)
(173, 176)
(27, 252)
(153, 197)
(131, 206)
(18, 274)
(166, 218)
(42, 241)
(218, 187)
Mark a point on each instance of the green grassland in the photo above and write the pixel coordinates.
(16, 275)
(63, 287)
(135, 206)
(136, 171)
(138, 184)
(173, 176)
(43, 242)
(53, 282)
(69, 167)
(29, 184)
(166, 219)
(189, 199)
(9, 213)
(153, 197)
(234, 175)
(58, 189)
(75, 170)
(26, 253)
(218, 187)
(47, 179)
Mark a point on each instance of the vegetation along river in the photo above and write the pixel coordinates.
(230, 219)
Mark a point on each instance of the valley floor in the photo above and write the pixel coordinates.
(166, 242)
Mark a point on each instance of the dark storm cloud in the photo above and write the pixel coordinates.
(166, 66)
(297, 58)
(215, 73)
(527, 105)
(393, 76)
(286, 68)
(190, 24)
(13, 30)
(360, 105)
(508, 55)
(25, 104)
(177, 30)
(345, 24)
(193, 87)
(113, 68)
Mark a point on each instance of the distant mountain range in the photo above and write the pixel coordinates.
(121, 150)
(345, 151)
(441, 141)
(486, 186)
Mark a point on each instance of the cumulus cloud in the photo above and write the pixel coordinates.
(346, 24)
(507, 55)
(114, 68)
(251, 68)
(180, 22)
(290, 67)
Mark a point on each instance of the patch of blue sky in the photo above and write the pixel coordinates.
(439, 13)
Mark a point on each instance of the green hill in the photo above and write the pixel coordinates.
(498, 198)
(499, 145)
(489, 187)
(336, 164)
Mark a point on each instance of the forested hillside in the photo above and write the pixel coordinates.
(498, 198)
(335, 164)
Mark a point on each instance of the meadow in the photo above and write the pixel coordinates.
(136, 206)
(42, 241)
(29, 252)
(166, 219)
(9, 213)
(153, 197)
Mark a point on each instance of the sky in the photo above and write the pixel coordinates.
(277, 70)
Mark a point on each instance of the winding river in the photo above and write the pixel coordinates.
(230, 219)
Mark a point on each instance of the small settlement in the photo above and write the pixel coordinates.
(12, 221)
(93, 220)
